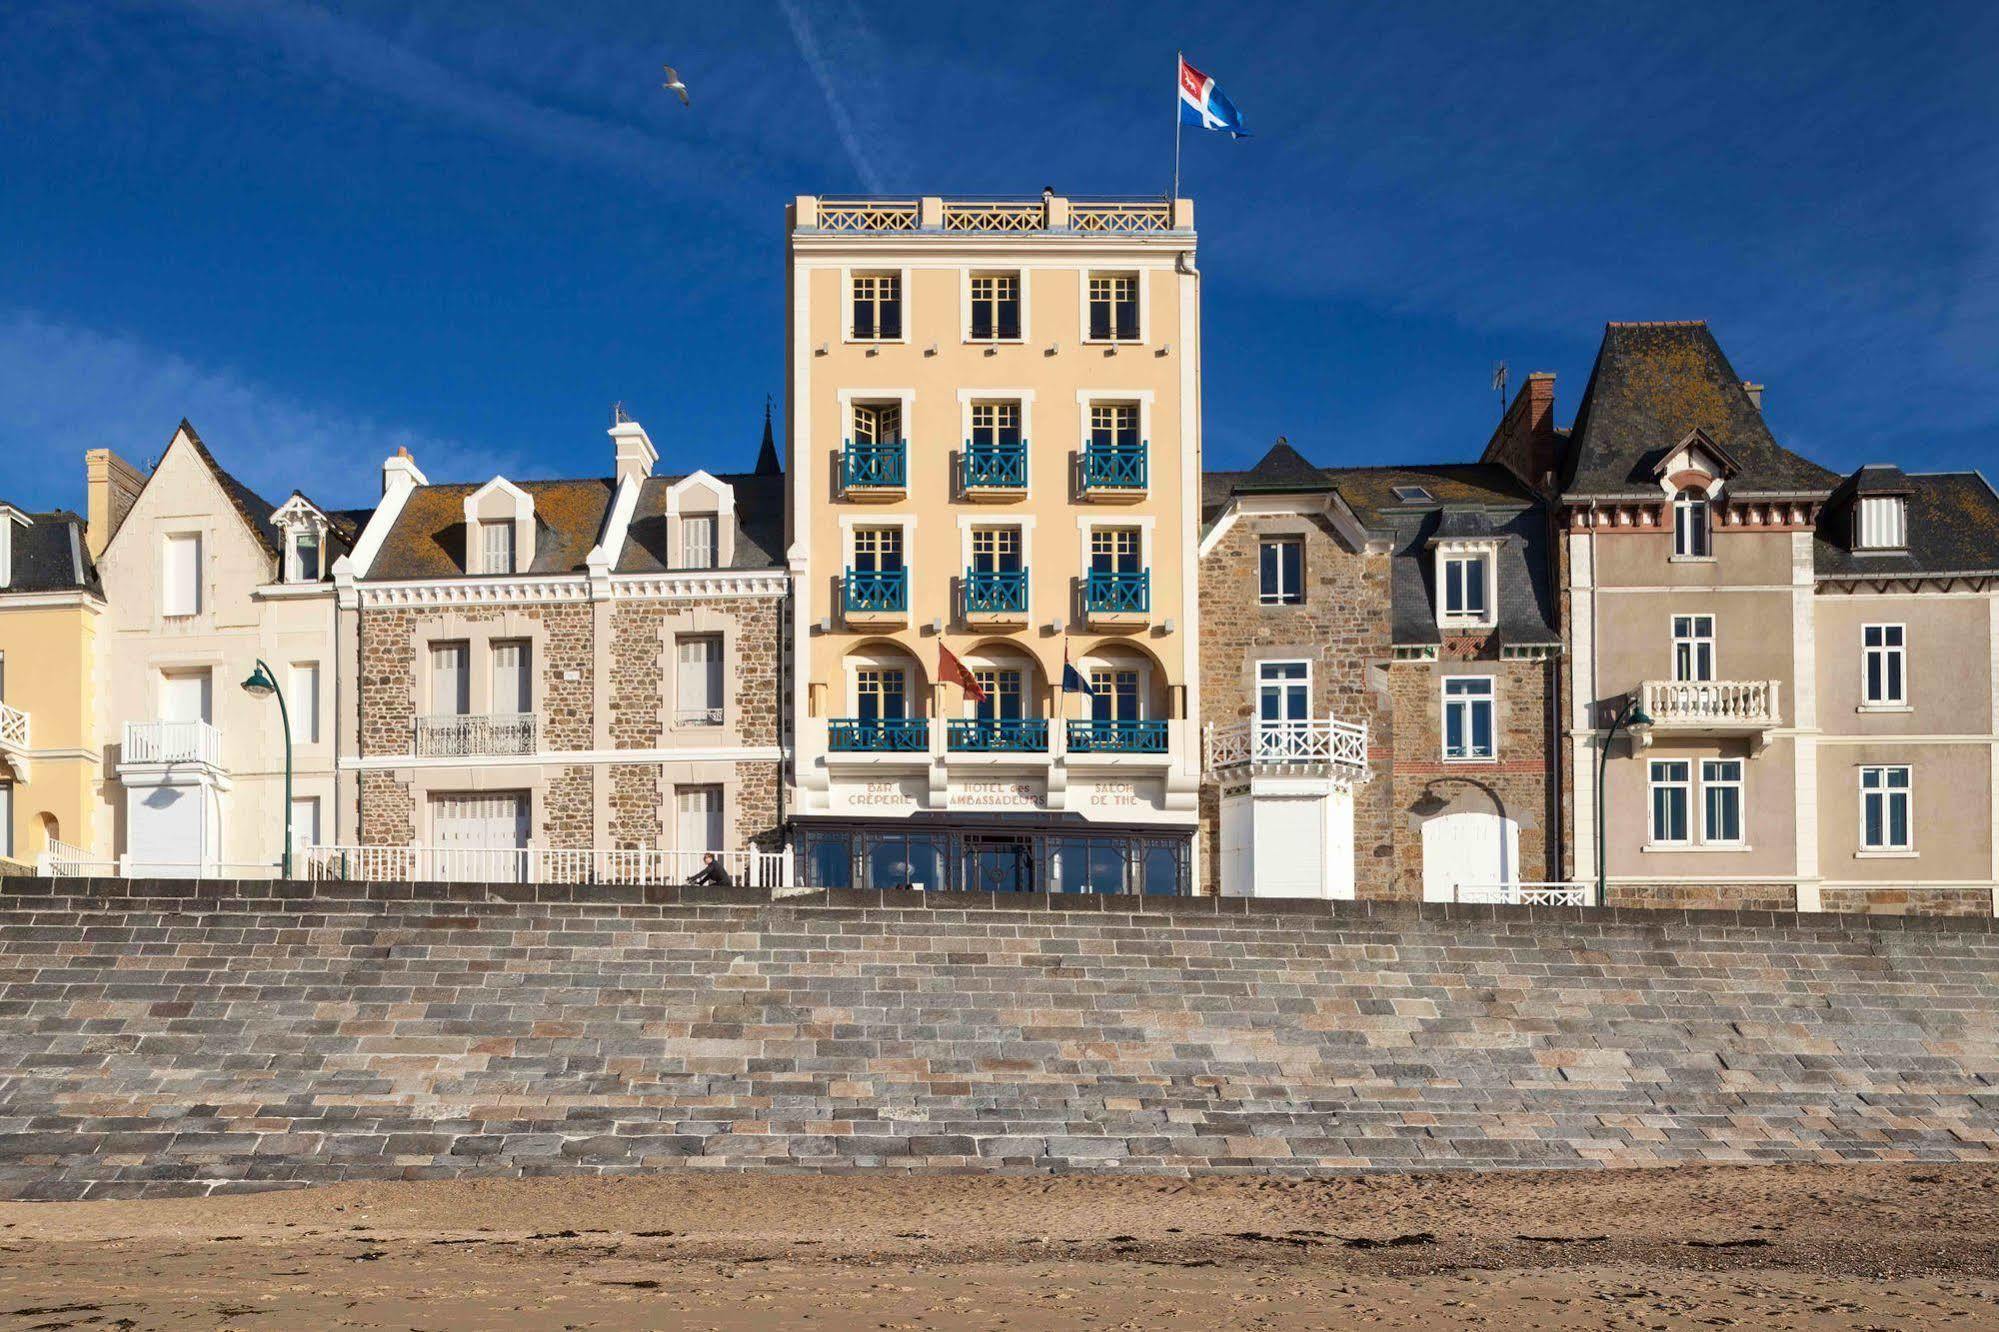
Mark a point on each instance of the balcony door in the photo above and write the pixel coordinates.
(880, 695)
(1004, 700)
(1284, 703)
(186, 696)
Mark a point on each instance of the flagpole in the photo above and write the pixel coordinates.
(1179, 59)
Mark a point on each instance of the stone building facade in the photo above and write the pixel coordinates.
(566, 679)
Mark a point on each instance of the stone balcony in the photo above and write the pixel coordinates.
(1748, 708)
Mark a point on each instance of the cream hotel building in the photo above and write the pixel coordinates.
(995, 449)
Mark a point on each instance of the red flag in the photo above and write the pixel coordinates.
(952, 671)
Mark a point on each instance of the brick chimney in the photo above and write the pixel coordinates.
(110, 486)
(1755, 392)
(1526, 443)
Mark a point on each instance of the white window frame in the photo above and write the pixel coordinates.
(1907, 791)
(1144, 308)
(1898, 653)
(1684, 784)
(1740, 784)
(1457, 554)
(1089, 398)
(171, 607)
(487, 561)
(1682, 502)
(847, 276)
(850, 523)
(965, 279)
(1468, 703)
(1284, 683)
(1284, 596)
(1693, 641)
(689, 525)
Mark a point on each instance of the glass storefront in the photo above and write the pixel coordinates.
(993, 859)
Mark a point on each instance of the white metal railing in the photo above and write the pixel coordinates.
(60, 860)
(13, 727)
(697, 717)
(466, 736)
(1316, 740)
(1545, 892)
(455, 864)
(1711, 702)
(1123, 218)
(172, 742)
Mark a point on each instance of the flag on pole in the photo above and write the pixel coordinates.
(1072, 679)
(952, 671)
(1202, 103)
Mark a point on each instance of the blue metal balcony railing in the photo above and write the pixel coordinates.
(994, 735)
(879, 735)
(1108, 592)
(1117, 737)
(883, 591)
(994, 466)
(996, 592)
(1114, 466)
(866, 466)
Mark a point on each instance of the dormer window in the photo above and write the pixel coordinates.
(1414, 495)
(305, 557)
(1464, 583)
(496, 547)
(1881, 522)
(1692, 539)
(9, 516)
(305, 531)
(499, 529)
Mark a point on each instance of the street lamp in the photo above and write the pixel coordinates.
(263, 684)
(1628, 716)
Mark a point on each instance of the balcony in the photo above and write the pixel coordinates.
(874, 471)
(1108, 218)
(14, 739)
(991, 472)
(1117, 737)
(997, 735)
(1320, 746)
(875, 598)
(500, 735)
(879, 735)
(1112, 598)
(1114, 472)
(193, 745)
(1710, 708)
(996, 596)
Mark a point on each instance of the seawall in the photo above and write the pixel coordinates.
(173, 1038)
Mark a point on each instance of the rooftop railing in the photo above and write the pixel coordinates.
(1040, 213)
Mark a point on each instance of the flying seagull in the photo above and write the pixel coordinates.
(673, 84)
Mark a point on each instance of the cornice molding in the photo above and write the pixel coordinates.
(673, 585)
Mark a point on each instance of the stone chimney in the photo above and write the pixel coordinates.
(632, 450)
(400, 472)
(1755, 392)
(1526, 443)
(110, 486)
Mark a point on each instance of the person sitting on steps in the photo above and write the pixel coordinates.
(711, 874)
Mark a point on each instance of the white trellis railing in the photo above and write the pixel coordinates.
(1711, 702)
(13, 727)
(459, 864)
(867, 215)
(1121, 218)
(1528, 893)
(995, 216)
(1315, 740)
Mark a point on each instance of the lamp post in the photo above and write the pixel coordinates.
(262, 684)
(1628, 716)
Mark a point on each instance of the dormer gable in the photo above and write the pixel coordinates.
(499, 529)
(1465, 549)
(308, 538)
(10, 518)
(1880, 523)
(1695, 463)
(700, 523)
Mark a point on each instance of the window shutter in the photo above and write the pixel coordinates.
(511, 689)
(180, 587)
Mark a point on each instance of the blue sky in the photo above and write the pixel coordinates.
(324, 231)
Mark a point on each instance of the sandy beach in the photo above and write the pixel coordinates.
(1863, 1247)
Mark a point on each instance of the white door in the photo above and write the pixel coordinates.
(185, 696)
(1290, 846)
(479, 838)
(1471, 856)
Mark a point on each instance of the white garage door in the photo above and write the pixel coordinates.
(1291, 847)
(1470, 856)
(479, 838)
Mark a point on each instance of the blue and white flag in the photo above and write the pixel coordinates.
(1072, 679)
(1202, 103)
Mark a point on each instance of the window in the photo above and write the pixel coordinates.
(450, 679)
(305, 822)
(186, 696)
(302, 699)
(1670, 795)
(880, 694)
(1884, 809)
(877, 422)
(877, 549)
(1693, 647)
(1283, 571)
(1414, 494)
(697, 541)
(1883, 666)
(513, 686)
(7, 820)
(995, 550)
(995, 307)
(1881, 522)
(496, 547)
(995, 423)
(1114, 550)
(1721, 801)
(877, 306)
(1005, 695)
(1114, 424)
(305, 556)
(1464, 580)
(1690, 525)
(180, 575)
(1116, 697)
(698, 680)
(1114, 307)
(1283, 691)
(1468, 718)
(698, 818)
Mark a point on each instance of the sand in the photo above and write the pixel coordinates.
(1778, 1247)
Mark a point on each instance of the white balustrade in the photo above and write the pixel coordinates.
(459, 864)
(172, 742)
(1315, 740)
(1744, 703)
(1529, 893)
(13, 728)
(485, 736)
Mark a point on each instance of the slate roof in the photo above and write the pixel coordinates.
(1654, 384)
(1953, 523)
(49, 555)
(254, 508)
(759, 523)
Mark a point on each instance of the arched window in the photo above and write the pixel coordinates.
(1690, 524)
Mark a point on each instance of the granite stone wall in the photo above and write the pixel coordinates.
(185, 1038)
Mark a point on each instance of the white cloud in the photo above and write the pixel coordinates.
(64, 389)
